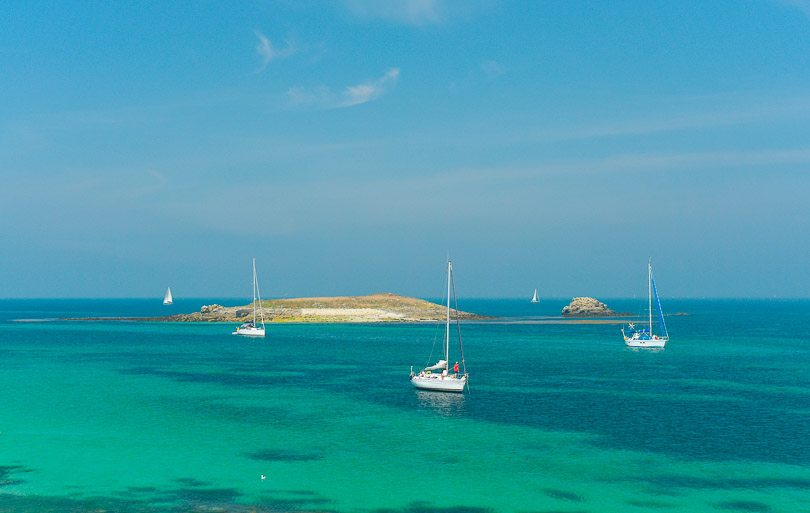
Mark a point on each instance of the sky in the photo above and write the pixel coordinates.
(350, 146)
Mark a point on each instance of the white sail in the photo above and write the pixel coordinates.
(167, 299)
(534, 298)
(645, 337)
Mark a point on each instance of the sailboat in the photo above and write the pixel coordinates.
(167, 299)
(534, 298)
(251, 329)
(644, 337)
(437, 377)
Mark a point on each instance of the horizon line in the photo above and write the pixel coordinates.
(427, 298)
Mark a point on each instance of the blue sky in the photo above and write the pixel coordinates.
(349, 145)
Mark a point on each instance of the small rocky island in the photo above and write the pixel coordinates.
(373, 308)
(589, 307)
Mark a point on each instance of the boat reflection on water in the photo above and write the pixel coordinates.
(448, 405)
(645, 349)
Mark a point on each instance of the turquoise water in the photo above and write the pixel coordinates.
(123, 416)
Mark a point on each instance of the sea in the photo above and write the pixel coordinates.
(124, 416)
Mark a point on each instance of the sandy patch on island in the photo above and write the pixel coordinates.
(369, 313)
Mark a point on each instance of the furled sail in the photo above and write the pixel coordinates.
(441, 364)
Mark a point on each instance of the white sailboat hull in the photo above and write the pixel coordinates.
(249, 332)
(439, 383)
(652, 342)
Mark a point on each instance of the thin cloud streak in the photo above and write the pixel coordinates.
(323, 97)
(355, 197)
(268, 52)
(635, 162)
(362, 93)
(792, 108)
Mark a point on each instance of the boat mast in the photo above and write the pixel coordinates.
(447, 326)
(258, 294)
(662, 325)
(254, 292)
(649, 285)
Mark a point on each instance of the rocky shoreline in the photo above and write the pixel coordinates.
(378, 308)
(373, 308)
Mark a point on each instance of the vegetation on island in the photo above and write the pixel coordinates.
(373, 308)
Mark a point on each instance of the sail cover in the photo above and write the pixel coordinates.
(441, 364)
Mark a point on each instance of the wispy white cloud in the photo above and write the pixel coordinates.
(492, 69)
(630, 163)
(782, 109)
(414, 12)
(268, 52)
(323, 97)
(362, 93)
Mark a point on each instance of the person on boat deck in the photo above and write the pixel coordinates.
(455, 368)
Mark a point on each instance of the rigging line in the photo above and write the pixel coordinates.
(258, 294)
(458, 323)
(435, 334)
(663, 325)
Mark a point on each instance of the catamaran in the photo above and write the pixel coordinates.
(167, 299)
(251, 329)
(534, 298)
(437, 377)
(644, 337)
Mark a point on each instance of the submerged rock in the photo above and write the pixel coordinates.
(587, 307)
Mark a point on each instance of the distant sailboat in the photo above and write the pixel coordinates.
(167, 299)
(534, 298)
(644, 337)
(251, 329)
(444, 381)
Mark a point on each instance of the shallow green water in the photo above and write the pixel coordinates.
(148, 417)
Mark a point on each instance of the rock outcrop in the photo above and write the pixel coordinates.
(587, 307)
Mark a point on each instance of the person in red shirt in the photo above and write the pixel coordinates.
(455, 368)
